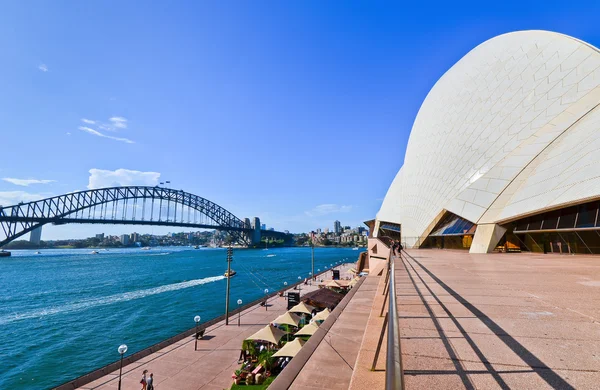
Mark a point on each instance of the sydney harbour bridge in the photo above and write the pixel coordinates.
(130, 205)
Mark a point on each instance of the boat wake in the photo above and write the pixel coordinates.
(108, 300)
(271, 255)
(160, 254)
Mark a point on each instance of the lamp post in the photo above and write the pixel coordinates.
(239, 302)
(229, 260)
(197, 320)
(299, 284)
(266, 297)
(310, 276)
(122, 349)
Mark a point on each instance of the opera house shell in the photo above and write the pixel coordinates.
(504, 153)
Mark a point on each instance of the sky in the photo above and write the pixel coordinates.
(295, 112)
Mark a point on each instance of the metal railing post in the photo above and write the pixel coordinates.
(394, 379)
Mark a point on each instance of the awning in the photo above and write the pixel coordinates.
(322, 315)
(288, 319)
(308, 330)
(333, 283)
(302, 308)
(269, 333)
(290, 349)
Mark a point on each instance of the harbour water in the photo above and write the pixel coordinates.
(63, 313)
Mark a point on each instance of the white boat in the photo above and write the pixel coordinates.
(38, 253)
(94, 252)
(146, 248)
(228, 275)
(355, 248)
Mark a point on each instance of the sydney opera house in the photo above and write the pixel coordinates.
(504, 154)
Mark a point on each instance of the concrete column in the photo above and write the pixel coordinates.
(486, 238)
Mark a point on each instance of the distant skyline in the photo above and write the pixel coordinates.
(298, 113)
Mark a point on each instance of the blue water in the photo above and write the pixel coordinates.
(63, 313)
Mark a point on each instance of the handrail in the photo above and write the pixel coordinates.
(394, 375)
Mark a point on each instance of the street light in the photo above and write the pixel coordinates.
(122, 349)
(239, 302)
(197, 320)
(299, 284)
(266, 297)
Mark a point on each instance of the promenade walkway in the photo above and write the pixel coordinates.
(180, 367)
(498, 321)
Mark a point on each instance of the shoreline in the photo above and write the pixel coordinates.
(137, 356)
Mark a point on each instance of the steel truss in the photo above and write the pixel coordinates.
(121, 205)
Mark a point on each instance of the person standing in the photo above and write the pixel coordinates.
(143, 381)
(150, 382)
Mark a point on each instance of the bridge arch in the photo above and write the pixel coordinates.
(17, 220)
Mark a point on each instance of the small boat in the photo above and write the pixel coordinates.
(197, 247)
(146, 248)
(228, 275)
(38, 253)
(355, 248)
(94, 252)
(4, 253)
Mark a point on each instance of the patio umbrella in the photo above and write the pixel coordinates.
(290, 349)
(333, 283)
(352, 282)
(302, 308)
(288, 319)
(308, 330)
(269, 333)
(351, 270)
(322, 315)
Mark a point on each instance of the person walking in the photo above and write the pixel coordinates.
(150, 382)
(143, 381)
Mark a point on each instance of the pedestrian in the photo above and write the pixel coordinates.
(150, 382)
(143, 381)
(393, 248)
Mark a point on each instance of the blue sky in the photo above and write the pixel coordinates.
(296, 112)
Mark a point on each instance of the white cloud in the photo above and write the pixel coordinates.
(118, 122)
(10, 198)
(99, 134)
(328, 208)
(26, 182)
(43, 67)
(68, 133)
(100, 178)
(88, 121)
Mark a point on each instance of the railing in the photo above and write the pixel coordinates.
(394, 375)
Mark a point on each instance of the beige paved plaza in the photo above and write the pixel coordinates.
(520, 321)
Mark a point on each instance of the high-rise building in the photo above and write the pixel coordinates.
(100, 236)
(36, 236)
(337, 227)
(125, 239)
(263, 226)
(134, 237)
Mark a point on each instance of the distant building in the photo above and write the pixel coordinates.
(125, 239)
(36, 236)
(263, 226)
(272, 229)
(326, 231)
(134, 237)
(100, 236)
(319, 231)
(337, 227)
(286, 231)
